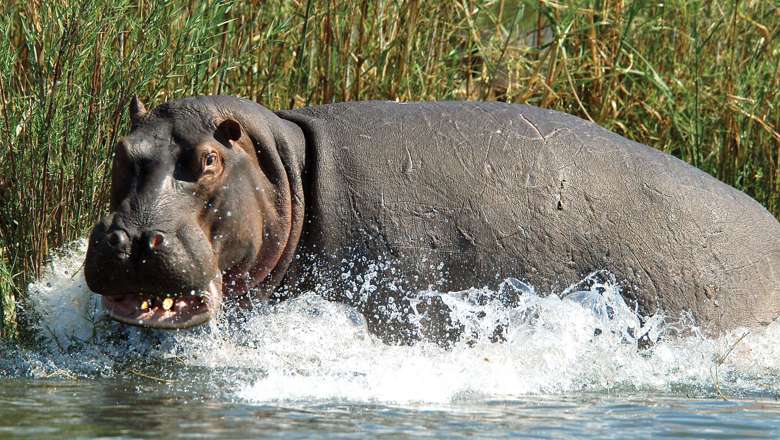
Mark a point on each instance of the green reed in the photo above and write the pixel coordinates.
(698, 79)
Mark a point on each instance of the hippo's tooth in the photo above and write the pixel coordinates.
(167, 303)
(144, 305)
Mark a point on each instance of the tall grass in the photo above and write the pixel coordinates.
(698, 79)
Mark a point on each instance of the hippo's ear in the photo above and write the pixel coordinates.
(228, 130)
(137, 109)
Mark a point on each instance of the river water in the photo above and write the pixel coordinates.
(579, 364)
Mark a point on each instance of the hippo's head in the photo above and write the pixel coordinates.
(206, 203)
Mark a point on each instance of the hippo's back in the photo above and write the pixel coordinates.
(483, 191)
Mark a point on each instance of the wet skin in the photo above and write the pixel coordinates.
(213, 197)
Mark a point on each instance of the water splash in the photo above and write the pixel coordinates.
(515, 343)
(65, 312)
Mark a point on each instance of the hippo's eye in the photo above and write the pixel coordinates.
(210, 160)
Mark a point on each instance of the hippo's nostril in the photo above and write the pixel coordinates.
(119, 240)
(156, 241)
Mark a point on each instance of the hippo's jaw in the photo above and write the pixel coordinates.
(163, 311)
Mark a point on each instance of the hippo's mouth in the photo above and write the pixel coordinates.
(165, 311)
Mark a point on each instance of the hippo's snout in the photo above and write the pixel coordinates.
(139, 259)
(123, 243)
(151, 277)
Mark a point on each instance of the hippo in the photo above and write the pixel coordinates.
(217, 199)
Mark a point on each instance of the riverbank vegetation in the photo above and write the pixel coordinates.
(697, 79)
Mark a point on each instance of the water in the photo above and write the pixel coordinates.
(136, 408)
(576, 365)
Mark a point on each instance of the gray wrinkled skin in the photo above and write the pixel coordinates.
(490, 190)
(453, 195)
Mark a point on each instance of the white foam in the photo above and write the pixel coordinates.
(66, 310)
(310, 349)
